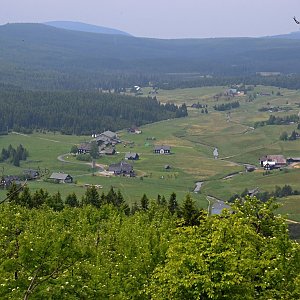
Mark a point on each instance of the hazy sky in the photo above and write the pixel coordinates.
(164, 18)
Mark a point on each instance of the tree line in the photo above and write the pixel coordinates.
(279, 192)
(273, 120)
(13, 155)
(75, 112)
(227, 106)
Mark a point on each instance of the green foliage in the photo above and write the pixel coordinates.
(94, 150)
(284, 136)
(144, 202)
(92, 197)
(173, 204)
(243, 255)
(80, 253)
(189, 212)
(55, 202)
(100, 253)
(227, 106)
(273, 120)
(72, 200)
(74, 149)
(14, 155)
(84, 157)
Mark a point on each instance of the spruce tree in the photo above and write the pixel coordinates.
(144, 202)
(92, 197)
(189, 211)
(173, 204)
(72, 200)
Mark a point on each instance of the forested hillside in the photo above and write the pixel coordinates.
(78, 112)
(40, 56)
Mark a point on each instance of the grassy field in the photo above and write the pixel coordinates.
(192, 140)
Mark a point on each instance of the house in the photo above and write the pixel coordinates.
(272, 161)
(122, 168)
(291, 160)
(108, 151)
(253, 192)
(107, 138)
(109, 134)
(231, 92)
(61, 178)
(31, 174)
(7, 181)
(249, 168)
(134, 130)
(163, 149)
(84, 148)
(131, 156)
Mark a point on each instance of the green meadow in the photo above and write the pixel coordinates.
(192, 140)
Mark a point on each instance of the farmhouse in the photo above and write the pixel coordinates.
(163, 149)
(291, 160)
(134, 130)
(107, 138)
(7, 181)
(61, 178)
(272, 161)
(31, 174)
(108, 151)
(131, 156)
(122, 168)
(84, 148)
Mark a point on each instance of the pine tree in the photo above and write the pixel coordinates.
(144, 202)
(189, 212)
(72, 200)
(92, 197)
(25, 198)
(39, 198)
(111, 196)
(173, 204)
(55, 202)
(134, 208)
(158, 199)
(119, 199)
(13, 194)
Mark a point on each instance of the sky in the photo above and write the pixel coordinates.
(164, 18)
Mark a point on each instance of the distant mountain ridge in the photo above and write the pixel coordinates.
(38, 55)
(291, 36)
(79, 26)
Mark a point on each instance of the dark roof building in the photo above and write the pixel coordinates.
(108, 151)
(122, 168)
(107, 138)
(61, 178)
(84, 148)
(131, 156)
(31, 174)
(7, 181)
(277, 160)
(162, 149)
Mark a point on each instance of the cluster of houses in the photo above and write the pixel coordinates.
(106, 143)
(125, 169)
(269, 162)
(31, 174)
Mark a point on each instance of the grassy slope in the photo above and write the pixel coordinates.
(192, 140)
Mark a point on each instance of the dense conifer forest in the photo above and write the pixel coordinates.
(78, 112)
